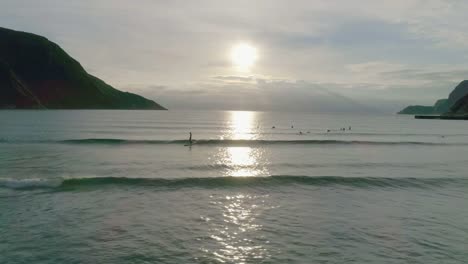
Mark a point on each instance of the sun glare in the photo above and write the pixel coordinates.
(243, 56)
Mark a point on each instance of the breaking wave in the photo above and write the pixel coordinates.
(229, 142)
(228, 182)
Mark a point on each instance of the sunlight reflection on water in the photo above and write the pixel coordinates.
(242, 161)
(236, 228)
(242, 125)
(235, 234)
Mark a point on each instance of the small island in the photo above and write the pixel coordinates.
(454, 107)
(36, 73)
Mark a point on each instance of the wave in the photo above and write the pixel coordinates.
(228, 142)
(223, 166)
(228, 182)
(233, 142)
(30, 183)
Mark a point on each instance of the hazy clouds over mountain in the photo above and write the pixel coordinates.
(313, 55)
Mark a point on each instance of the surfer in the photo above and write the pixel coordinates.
(190, 138)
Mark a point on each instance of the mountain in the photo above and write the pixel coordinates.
(441, 106)
(417, 110)
(36, 73)
(455, 104)
(458, 99)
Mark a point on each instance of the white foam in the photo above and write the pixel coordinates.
(29, 183)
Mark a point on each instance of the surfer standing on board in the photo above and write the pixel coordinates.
(190, 138)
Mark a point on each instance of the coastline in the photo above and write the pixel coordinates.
(441, 117)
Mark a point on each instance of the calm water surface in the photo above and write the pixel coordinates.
(122, 187)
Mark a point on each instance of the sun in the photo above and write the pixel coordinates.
(243, 56)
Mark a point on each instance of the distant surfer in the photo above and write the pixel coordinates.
(349, 128)
(190, 141)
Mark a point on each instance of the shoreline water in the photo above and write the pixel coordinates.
(120, 187)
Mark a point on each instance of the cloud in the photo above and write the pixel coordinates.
(266, 95)
(349, 55)
(235, 78)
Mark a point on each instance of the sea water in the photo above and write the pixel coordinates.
(254, 187)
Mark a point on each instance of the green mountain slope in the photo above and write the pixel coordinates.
(455, 104)
(37, 73)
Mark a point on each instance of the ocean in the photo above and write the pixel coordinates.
(254, 187)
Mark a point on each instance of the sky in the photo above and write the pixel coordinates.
(329, 56)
